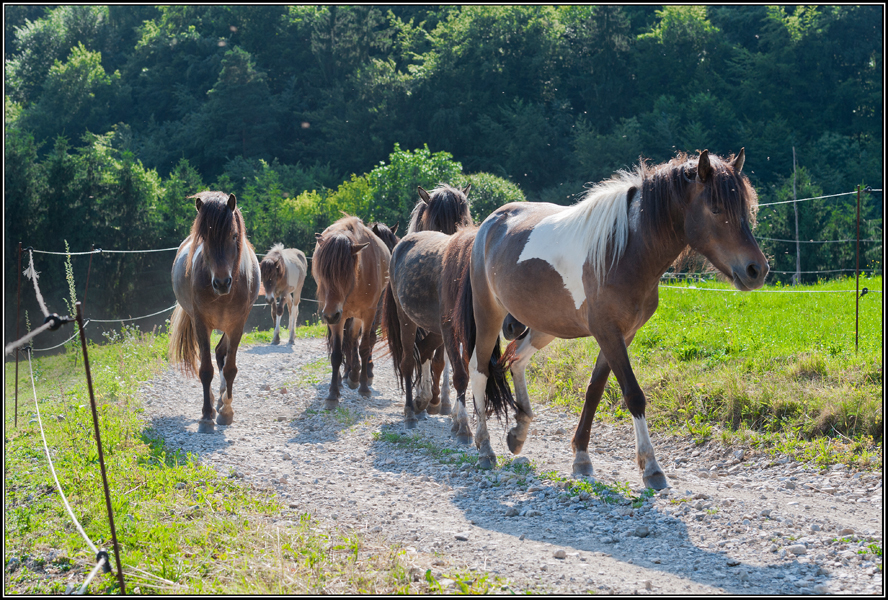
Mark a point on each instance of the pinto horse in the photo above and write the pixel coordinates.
(350, 265)
(283, 275)
(593, 269)
(216, 281)
(412, 312)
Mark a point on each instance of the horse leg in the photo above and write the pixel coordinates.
(460, 417)
(350, 348)
(229, 372)
(277, 311)
(205, 371)
(582, 466)
(221, 351)
(446, 406)
(426, 347)
(614, 347)
(293, 313)
(368, 340)
(332, 400)
(524, 415)
(438, 363)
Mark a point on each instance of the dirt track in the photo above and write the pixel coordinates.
(730, 524)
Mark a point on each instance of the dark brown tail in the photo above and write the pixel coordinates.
(498, 394)
(391, 331)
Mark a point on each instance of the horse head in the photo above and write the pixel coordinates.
(218, 233)
(334, 267)
(720, 208)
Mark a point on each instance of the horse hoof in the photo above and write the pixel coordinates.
(364, 392)
(275, 341)
(487, 462)
(291, 342)
(514, 443)
(583, 469)
(224, 419)
(656, 481)
(454, 427)
(446, 408)
(464, 440)
(206, 426)
(410, 423)
(434, 409)
(422, 415)
(370, 380)
(353, 384)
(331, 404)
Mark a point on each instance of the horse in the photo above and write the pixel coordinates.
(350, 362)
(350, 265)
(412, 307)
(593, 269)
(283, 275)
(424, 278)
(216, 281)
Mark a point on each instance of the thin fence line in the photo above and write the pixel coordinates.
(813, 198)
(27, 337)
(813, 241)
(51, 467)
(102, 251)
(62, 344)
(132, 318)
(675, 287)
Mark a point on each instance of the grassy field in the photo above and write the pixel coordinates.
(774, 368)
(182, 527)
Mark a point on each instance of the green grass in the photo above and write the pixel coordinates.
(775, 371)
(182, 527)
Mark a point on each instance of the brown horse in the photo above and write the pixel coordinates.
(593, 269)
(283, 275)
(216, 281)
(350, 265)
(424, 278)
(350, 362)
(412, 312)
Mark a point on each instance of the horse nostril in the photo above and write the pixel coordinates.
(753, 271)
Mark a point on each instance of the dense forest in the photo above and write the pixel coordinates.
(114, 114)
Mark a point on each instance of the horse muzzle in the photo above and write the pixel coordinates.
(332, 318)
(221, 286)
(752, 277)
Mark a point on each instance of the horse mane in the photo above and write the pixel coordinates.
(388, 237)
(446, 210)
(214, 224)
(665, 186)
(333, 264)
(273, 263)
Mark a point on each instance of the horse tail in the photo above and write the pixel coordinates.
(499, 398)
(391, 331)
(183, 347)
(498, 391)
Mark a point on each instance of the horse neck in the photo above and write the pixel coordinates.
(652, 252)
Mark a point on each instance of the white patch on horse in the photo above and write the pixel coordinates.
(425, 385)
(248, 263)
(584, 231)
(644, 450)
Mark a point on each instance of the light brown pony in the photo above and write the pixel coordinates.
(593, 269)
(283, 275)
(350, 265)
(216, 281)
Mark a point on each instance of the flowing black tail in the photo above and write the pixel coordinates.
(498, 394)
(391, 331)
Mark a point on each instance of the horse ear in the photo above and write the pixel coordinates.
(358, 247)
(318, 236)
(423, 194)
(738, 162)
(376, 229)
(704, 168)
(232, 202)
(395, 228)
(198, 203)
(466, 190)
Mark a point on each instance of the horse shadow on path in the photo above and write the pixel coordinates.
(667, 548)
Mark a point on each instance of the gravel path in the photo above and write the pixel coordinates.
(730, 523)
